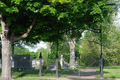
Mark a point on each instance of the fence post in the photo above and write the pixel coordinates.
(23, 67)
(56, 65)
(79, 66)
(40, 73)
(57, 59)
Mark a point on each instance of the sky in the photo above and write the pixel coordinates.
(118, 16)
(39, 45)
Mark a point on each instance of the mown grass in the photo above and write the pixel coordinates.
(109, 72)
(46, 74)
(30, 78)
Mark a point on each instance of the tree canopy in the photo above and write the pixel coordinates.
(51, 13)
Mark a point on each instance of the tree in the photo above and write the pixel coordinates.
(90, 50)
(72, 44)
(44, 19)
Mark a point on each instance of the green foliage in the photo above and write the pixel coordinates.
(21, 51)
(60, 13)
(44, 66)
(59, 66)
(63, 49)
(91, 50)
(43, 52)
(51, 58)
(34, 55)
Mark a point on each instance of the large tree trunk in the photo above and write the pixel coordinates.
(72, 44)
(6, 51)
(6, 59)
(7, 40)
(48, 48)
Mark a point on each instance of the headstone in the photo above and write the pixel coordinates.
(22, 62)
(61, 61)
(52, 66)
(66, 65)
(37, 62)
(34, 63)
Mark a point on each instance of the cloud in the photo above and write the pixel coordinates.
(39, 45)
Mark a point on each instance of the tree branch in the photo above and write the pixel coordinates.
(27, 32)
(92, 41)
(94, 31)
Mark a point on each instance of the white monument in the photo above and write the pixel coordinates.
(0, 63)
(61, 61)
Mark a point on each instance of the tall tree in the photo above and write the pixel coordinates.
(72, 44)
(91, 46)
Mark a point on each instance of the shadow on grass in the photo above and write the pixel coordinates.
(45, 73)
(26, 73)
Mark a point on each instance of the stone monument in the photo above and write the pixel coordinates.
(61, 61)
(22, 62)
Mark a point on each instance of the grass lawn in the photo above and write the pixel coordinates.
(30, 79)
(46, 74)
(109, 72)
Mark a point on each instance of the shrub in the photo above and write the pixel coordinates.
(44, 66)
(59, 66)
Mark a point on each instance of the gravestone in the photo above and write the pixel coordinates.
(52, 66)
(34, 63)
(22, 62)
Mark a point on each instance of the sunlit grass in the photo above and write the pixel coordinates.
(46, 74)
(109, 72)
(33, 74)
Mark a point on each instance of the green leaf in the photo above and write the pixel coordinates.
(96, 10)
(80, 1)
(44, 8)
(16, 1)
(36, 4)
(52, 10)
(2, 4)
(12, 9)
(62, 15)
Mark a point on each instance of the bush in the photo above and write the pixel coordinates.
(59, 66)
(44, 66)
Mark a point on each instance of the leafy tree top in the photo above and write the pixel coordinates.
(50, 17)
